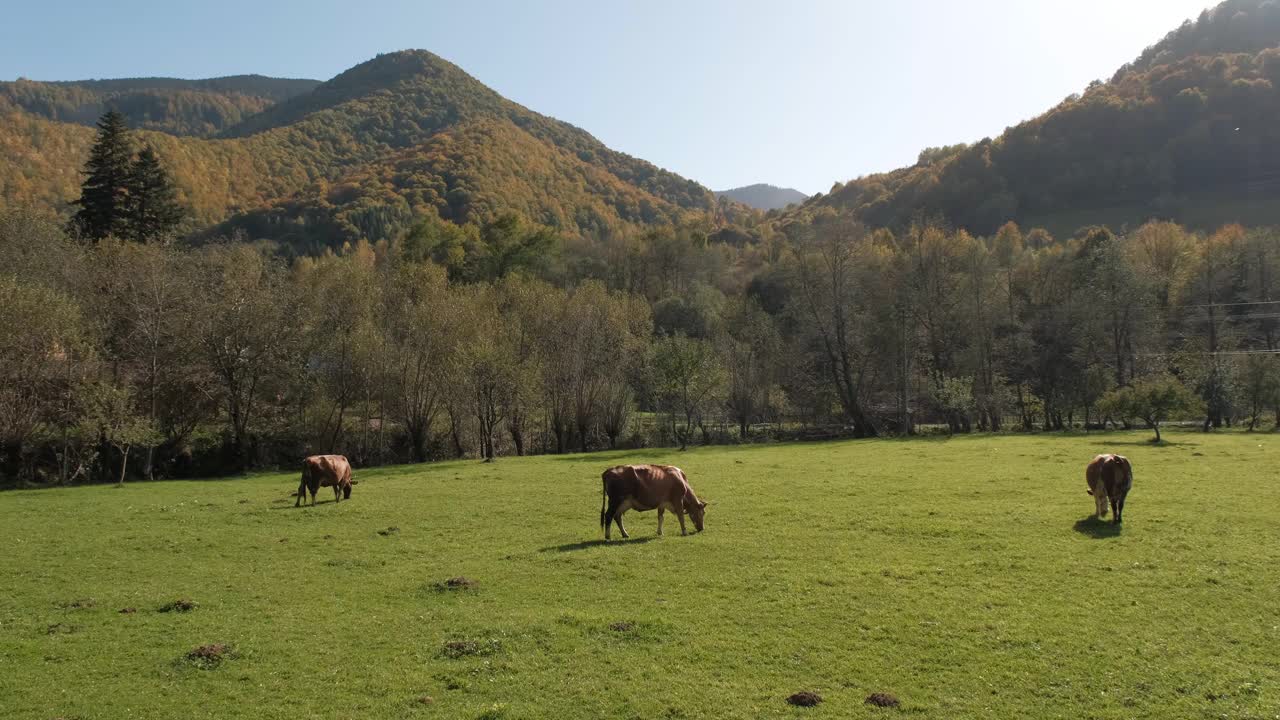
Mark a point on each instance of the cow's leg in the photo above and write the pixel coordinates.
(1100, 500)
(608, 519)
(661, 512)
(314, 490)
(680, 515)
(302, 492)
(618, 519)
(337, 493)
(1117, 503)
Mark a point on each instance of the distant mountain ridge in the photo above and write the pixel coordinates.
(176, 106)
(762, 196)
(400, 136)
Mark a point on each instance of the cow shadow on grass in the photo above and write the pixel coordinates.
(1152, 443)
(1096, 528)
(279, 505)
(599, 542)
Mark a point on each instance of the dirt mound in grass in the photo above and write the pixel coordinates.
(208, 657)
(179, 605)
(128, 610)
(884, 700)
(805, 699)
(457, 583)
(389, 531)
(623, 626)
(81, 604)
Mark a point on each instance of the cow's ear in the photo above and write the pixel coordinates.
(702, 504)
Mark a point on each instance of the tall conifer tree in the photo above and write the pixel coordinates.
(153, 209)
(104, 194)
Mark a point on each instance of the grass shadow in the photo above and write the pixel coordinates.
(599, 542)
(608, 455)
(1096, 528)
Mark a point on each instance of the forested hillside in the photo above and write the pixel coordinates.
(1186, 133)
(461, 277)
(177, 107)
(360, 155)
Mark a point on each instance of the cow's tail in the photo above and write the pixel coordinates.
(604, 497)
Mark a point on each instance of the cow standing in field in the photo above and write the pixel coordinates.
(325, 471)
(1109, 478)
(646, 487)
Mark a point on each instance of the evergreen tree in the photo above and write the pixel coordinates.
(152, 208)
(104, 194)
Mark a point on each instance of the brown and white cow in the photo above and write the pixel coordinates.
(646, 487)
(325, 471)
(1109, 477)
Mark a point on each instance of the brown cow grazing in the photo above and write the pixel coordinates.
(1109, 477)
(643, 488)
(325, 471)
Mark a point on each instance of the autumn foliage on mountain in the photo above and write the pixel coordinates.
(1187, 132)
(359, 156)
(177, 107)
(1183, 133)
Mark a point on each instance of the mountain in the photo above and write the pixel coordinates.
(365, 153)
(764, 197)
(1186, 132)
(178, 107)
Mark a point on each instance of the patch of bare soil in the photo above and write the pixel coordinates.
(61, 629)
(457, 583)
(805, 699)
(426, 700)
(128, 610)
(389, 531)
(81, 604)
(208, 657)
(622, 626)
(179, 605)
(884, 700)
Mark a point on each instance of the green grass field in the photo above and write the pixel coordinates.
(961, 576)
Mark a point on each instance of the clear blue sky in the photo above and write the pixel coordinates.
(800, 93)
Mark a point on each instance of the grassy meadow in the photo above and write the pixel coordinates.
(962, 576)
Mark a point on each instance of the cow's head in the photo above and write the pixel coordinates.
(698, 511)
(346, 491)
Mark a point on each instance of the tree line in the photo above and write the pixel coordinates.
(125, 359)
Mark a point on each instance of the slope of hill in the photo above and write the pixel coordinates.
(470, 172)
(401, 99)
(764, 197)
(401, 134)
(1186, 132)
(178, 107)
